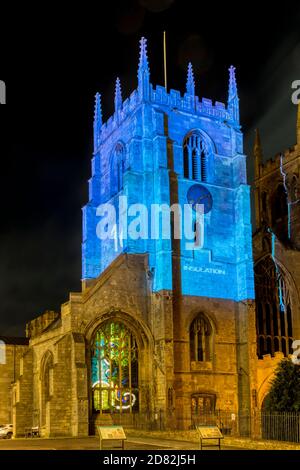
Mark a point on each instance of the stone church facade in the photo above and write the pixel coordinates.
(276, 245)
(161, 328)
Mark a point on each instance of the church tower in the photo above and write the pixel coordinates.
(165, 334)
(162, 148)
(158, 151)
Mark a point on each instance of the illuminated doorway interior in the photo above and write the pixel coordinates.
(114, 370)
(203, 404)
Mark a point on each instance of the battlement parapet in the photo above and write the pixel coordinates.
(36, 326)
(188, 103)
(273, 164)
(172, 100)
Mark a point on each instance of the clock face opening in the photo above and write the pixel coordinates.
(198, 194)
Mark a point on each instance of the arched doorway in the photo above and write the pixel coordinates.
(114, 369)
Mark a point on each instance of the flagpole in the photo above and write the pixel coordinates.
(165, 61)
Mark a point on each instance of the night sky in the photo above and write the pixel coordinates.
(54, 61)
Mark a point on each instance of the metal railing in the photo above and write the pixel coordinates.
(150, 421)
(264, 425)
(230, 423)
(280, 426)
(283, 426)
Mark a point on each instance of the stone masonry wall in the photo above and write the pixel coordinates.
(8, 372)
(23, 395)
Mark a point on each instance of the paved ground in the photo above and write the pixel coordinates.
(92, 443)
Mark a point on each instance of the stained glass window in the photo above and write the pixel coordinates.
(114, 369)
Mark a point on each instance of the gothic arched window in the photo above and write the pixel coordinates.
(280, 212)
(195, 154)
(117, 168)
(47, 383)
(200, 340)
(273, 309)
(114, 369)
(264, 197)
(266, 244)
(294, 189)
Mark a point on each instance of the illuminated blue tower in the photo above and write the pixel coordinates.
(164, 148)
